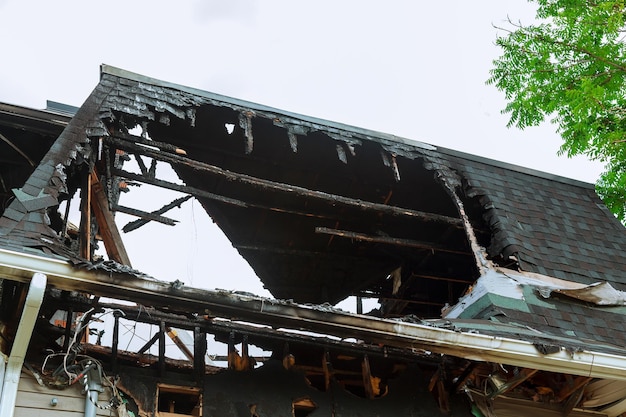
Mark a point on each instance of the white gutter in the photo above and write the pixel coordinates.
(418, 338)
(34, 298)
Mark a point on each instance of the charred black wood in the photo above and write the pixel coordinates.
(138, 223)
(161, 370)
(167, 147)
(144, 215)
(149, 343)
(388, 240)
(288, 188)
(178, 187)
(196, 192)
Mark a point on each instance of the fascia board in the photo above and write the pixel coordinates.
(421, 339)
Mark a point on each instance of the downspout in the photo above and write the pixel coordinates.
(34, 298)
(93, 388)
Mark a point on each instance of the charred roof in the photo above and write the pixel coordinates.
(320, 210)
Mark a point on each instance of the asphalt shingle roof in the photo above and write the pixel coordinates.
(554, 226)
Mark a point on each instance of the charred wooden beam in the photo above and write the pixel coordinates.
(522, 376)
(196, 192)
(571, 387)
(460, 381)
(145, 216)
(177, 187)
(327, 367)
(106, 223)
(85, 220)
(154, 316)
(199, 352)
(173, 334)
(114, 343)
(138, 223)
(145, 359)
(388, 240)
(368, 383)
(162, 332)
(18, 150)
(166, 147)
(301, 252)
(288, 188)
(440, 278)
(67, 335)
(408, 301)
(150, 342)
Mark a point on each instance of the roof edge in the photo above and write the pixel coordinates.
(418, 337)
(372, 134)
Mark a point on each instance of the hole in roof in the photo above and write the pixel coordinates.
(303, 407)
(230, 128)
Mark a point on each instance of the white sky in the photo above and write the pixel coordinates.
(414, 69)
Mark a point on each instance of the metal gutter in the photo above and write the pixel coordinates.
(33, 301)
(418, 338)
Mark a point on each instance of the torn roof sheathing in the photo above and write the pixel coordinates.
(322, 210)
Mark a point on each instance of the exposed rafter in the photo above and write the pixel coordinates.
(285, 188)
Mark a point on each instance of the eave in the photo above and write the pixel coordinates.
(418, 338)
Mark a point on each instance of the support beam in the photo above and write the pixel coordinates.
(18, 150)
(150, 342)
(106, 222)
(177, 187)
(161, 366)
(199, 353)
(173, 334)
(138, 223)
(85, 220)
(288, 188)
(446, 279)
(388, 240)
(164, 147)
(145, 217)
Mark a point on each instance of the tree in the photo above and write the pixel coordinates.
(570, 66)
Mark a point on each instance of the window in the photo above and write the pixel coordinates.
(175, 401)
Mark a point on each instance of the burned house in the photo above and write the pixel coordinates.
(501, 290)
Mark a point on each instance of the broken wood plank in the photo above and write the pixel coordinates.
(18, 150)
(167, 147)
(148, 359)
(106, 222)
(144, 215)
(196, 192)
(571, 388)
(327, 368)
(136, 224)
(368, 383)
(149, 343)
(177, 187)
(173, 335)
(288, 188)
(162, 332)
(439, 278)
(388, 240)
(522, 376)
(85, 220)
(199, 353)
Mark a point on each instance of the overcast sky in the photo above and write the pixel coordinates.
(410, 68)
